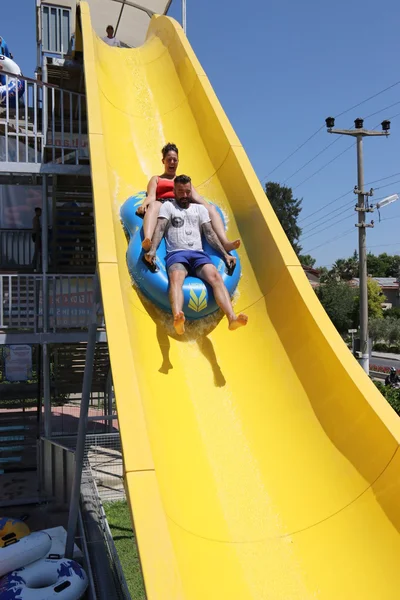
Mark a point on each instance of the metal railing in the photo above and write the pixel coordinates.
(103, 454)
(41, 123)
(16, 248)
(70, 298)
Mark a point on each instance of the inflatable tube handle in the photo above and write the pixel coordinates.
(229, 270)
(152, 267)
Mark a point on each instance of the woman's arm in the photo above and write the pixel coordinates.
(151, 195)
(151, 189)
(197, 198)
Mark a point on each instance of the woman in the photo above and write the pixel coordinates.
(161, 189)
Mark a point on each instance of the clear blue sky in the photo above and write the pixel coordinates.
(279, 68)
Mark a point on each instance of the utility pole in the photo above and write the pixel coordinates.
(362, 207)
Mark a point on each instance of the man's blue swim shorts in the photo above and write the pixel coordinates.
(191, 259)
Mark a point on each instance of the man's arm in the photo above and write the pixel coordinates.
(157, 237)
(213, 240)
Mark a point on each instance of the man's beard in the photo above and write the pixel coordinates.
(183, 202)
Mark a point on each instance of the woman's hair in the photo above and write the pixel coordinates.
(169, 148)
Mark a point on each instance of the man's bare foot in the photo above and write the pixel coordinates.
(238, 321)
(232, 245)
(179, 323)
(146, 244)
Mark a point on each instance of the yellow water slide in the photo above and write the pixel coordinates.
(262, 463)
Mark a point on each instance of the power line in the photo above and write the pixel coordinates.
(329, 213)
(338, 237)
(387, 185)
(293, 153)
(324, 166)
(368, 99)
(311, 159)
(322, 127)
(327, 221)
(346, 194)
(383, 178)
(352, 202)
(384, 245)
(325, 205)
(333, 159)
(324, 229)
(337, 139)
(382, 109)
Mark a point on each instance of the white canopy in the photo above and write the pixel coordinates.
(130, 18)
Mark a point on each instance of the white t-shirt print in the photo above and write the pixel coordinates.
(184, 226)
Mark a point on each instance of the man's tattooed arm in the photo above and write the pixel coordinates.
(213, 240)
(157, 237)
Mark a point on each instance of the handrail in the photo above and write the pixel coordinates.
(41, 123)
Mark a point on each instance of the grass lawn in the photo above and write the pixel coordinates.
(119, 520)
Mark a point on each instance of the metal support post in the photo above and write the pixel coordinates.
(109, 401)
(45, 107)
(83, 420)
(184, 16)
(362, 254)
(46, 390)
(45, 307)
(45, 257)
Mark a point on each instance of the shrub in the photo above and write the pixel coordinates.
(392, 395)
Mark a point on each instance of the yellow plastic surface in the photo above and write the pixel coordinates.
(260, 464)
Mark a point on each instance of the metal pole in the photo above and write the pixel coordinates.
(83, 419)
(46, 390)
(184, 16)
(45, 306)
(362, 250)
(109, 401)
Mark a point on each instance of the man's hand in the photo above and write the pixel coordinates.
(230, 261)
(150, 257)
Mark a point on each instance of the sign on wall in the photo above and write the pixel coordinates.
(18, 362)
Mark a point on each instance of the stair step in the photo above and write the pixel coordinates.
(12, 448)
(12, 438)
(13, 459)
(14, 428)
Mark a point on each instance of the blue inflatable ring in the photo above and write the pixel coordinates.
(15, 87)
(198, 296)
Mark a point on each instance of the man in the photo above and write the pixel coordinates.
(110, 39)
(182, 222)
(392, 379)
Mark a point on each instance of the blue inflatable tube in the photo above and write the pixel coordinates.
(198, 296)
(15, 87)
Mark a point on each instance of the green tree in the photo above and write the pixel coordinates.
(287, 209)
(392, 313)
(307, 260)
(375, 299)
(379, 329)
(378, 266)
(345, 268)
(384, 265)
(337, 298)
